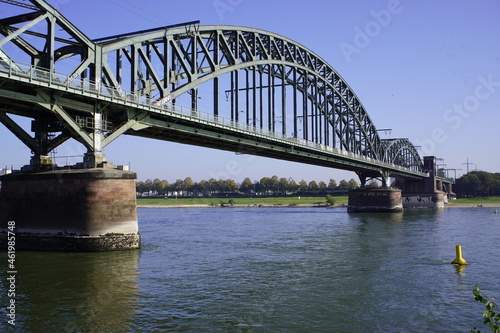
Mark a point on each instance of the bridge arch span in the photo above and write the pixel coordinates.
(257, 79)
(316, 102)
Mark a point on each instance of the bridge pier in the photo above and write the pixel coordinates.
(70, 210)
(374, 200)
(430, 192)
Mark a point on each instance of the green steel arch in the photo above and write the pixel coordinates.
(330, 112)
(251, 76)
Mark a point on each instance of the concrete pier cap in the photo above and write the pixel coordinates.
(70, 210)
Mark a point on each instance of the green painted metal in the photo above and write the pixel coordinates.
(133, 82)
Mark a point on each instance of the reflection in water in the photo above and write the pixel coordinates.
(267, 270)
(75, 292)
(460, 269)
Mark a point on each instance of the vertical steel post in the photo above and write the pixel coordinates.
(273, 94)
(261, 100)
(254, 102)
(283, 100)
(326, 113)
(237, 94)
(232, 95)
(247, 96)
(270, 119)
(119, 67)
(174, 72)
(305, 133)
(215, 58)
(295, 88)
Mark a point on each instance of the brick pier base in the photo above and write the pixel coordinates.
(374, 200)
(70, 210)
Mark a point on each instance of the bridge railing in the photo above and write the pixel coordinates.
(77, 84)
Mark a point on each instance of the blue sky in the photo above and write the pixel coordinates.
(428, 70)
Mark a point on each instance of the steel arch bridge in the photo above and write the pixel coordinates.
(266, 94)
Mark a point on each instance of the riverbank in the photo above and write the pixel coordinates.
(452, 204)
(295, 201)
(261, 201)
(244, 206)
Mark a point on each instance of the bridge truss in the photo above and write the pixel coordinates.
(225, 87)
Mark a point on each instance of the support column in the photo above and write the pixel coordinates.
(75, 210)
(375, 200)
(425, 193)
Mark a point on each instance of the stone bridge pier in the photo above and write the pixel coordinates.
(431, 192)
(69, 210)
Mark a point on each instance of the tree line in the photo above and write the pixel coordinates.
(265, 186)
(478, 183)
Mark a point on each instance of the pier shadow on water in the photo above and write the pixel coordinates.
(72, 292)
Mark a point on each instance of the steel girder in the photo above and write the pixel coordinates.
(274, 82)
(402, 152)
(193, 56)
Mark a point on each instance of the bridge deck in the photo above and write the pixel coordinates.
(139, 116)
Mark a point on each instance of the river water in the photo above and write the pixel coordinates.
(268, 270)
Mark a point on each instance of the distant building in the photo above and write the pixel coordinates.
(5, 172)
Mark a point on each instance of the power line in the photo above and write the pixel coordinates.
(468, 163)
(151, 14)
(134, 12)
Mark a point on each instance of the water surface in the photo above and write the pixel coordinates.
(268, 270)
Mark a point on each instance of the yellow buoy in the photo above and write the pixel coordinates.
(459, 260)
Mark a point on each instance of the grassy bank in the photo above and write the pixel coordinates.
(284, 201)
(477, 200)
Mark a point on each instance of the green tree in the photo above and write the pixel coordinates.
(273, 184)
(158, 186)
(471, 185)
(352, 185)
(343, 185)
(322, 186)
(293, 186)
(221, 186)
(149, 185)
(487, 181)
(283, 185)
(188, 184)
(246, 186)
(303, 186)
(313, 186)
(265, 185)
(330, 200)
(230, 186)
(178, 186)
(164, 185)
(203, 187)
(140, 187)
(212, 186)
(332, 185)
